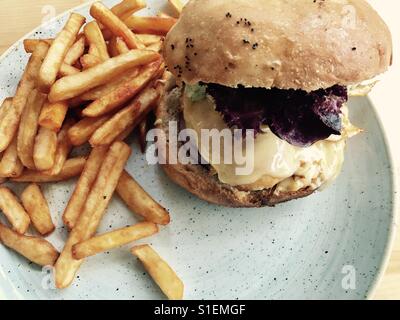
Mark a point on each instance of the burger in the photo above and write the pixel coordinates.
(282, 69)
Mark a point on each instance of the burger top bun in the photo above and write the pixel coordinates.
(287, 44)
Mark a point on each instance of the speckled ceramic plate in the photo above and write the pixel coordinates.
(333, 244)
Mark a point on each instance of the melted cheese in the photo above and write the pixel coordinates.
(363, 88)
(275, 160)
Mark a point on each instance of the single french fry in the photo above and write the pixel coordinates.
(107, 18)
(121, 46)
(163, 15)
(113, 239)
(143, 128)
(93, 51)
(117, 46)
(93, 211)
(14, 211)
(124, 10)
(67, 70)
(76, 51)
(52, 115)
(81, 132)
(5, 107)
(44, 151)
(30, 44)
(152, 25)
(34, 249)
(125, 134)
(5, 112)
(64, 147)
(83, 186)
(177, 5)
(109, 87)
(128, 7)
(57, 52)
(129, 116)
(157, 47)
(9, 123)
(149, 39)
(140, 202)
(89, 61)
(107, 34)
(95, 38)
(37, 208)
(112, 47)
(72, 168)
(72, 86)
(28, 128)
(10, 164)
(160, 271)
(122, 94)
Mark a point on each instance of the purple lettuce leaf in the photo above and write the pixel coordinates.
(298, 117)
(327, 105)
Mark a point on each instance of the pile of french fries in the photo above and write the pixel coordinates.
(93, 84)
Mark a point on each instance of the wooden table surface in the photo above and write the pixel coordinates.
(17, 17)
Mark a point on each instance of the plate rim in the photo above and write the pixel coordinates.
(395, 207)
(393, 171)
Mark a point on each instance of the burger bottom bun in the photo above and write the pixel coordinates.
(198, 179)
